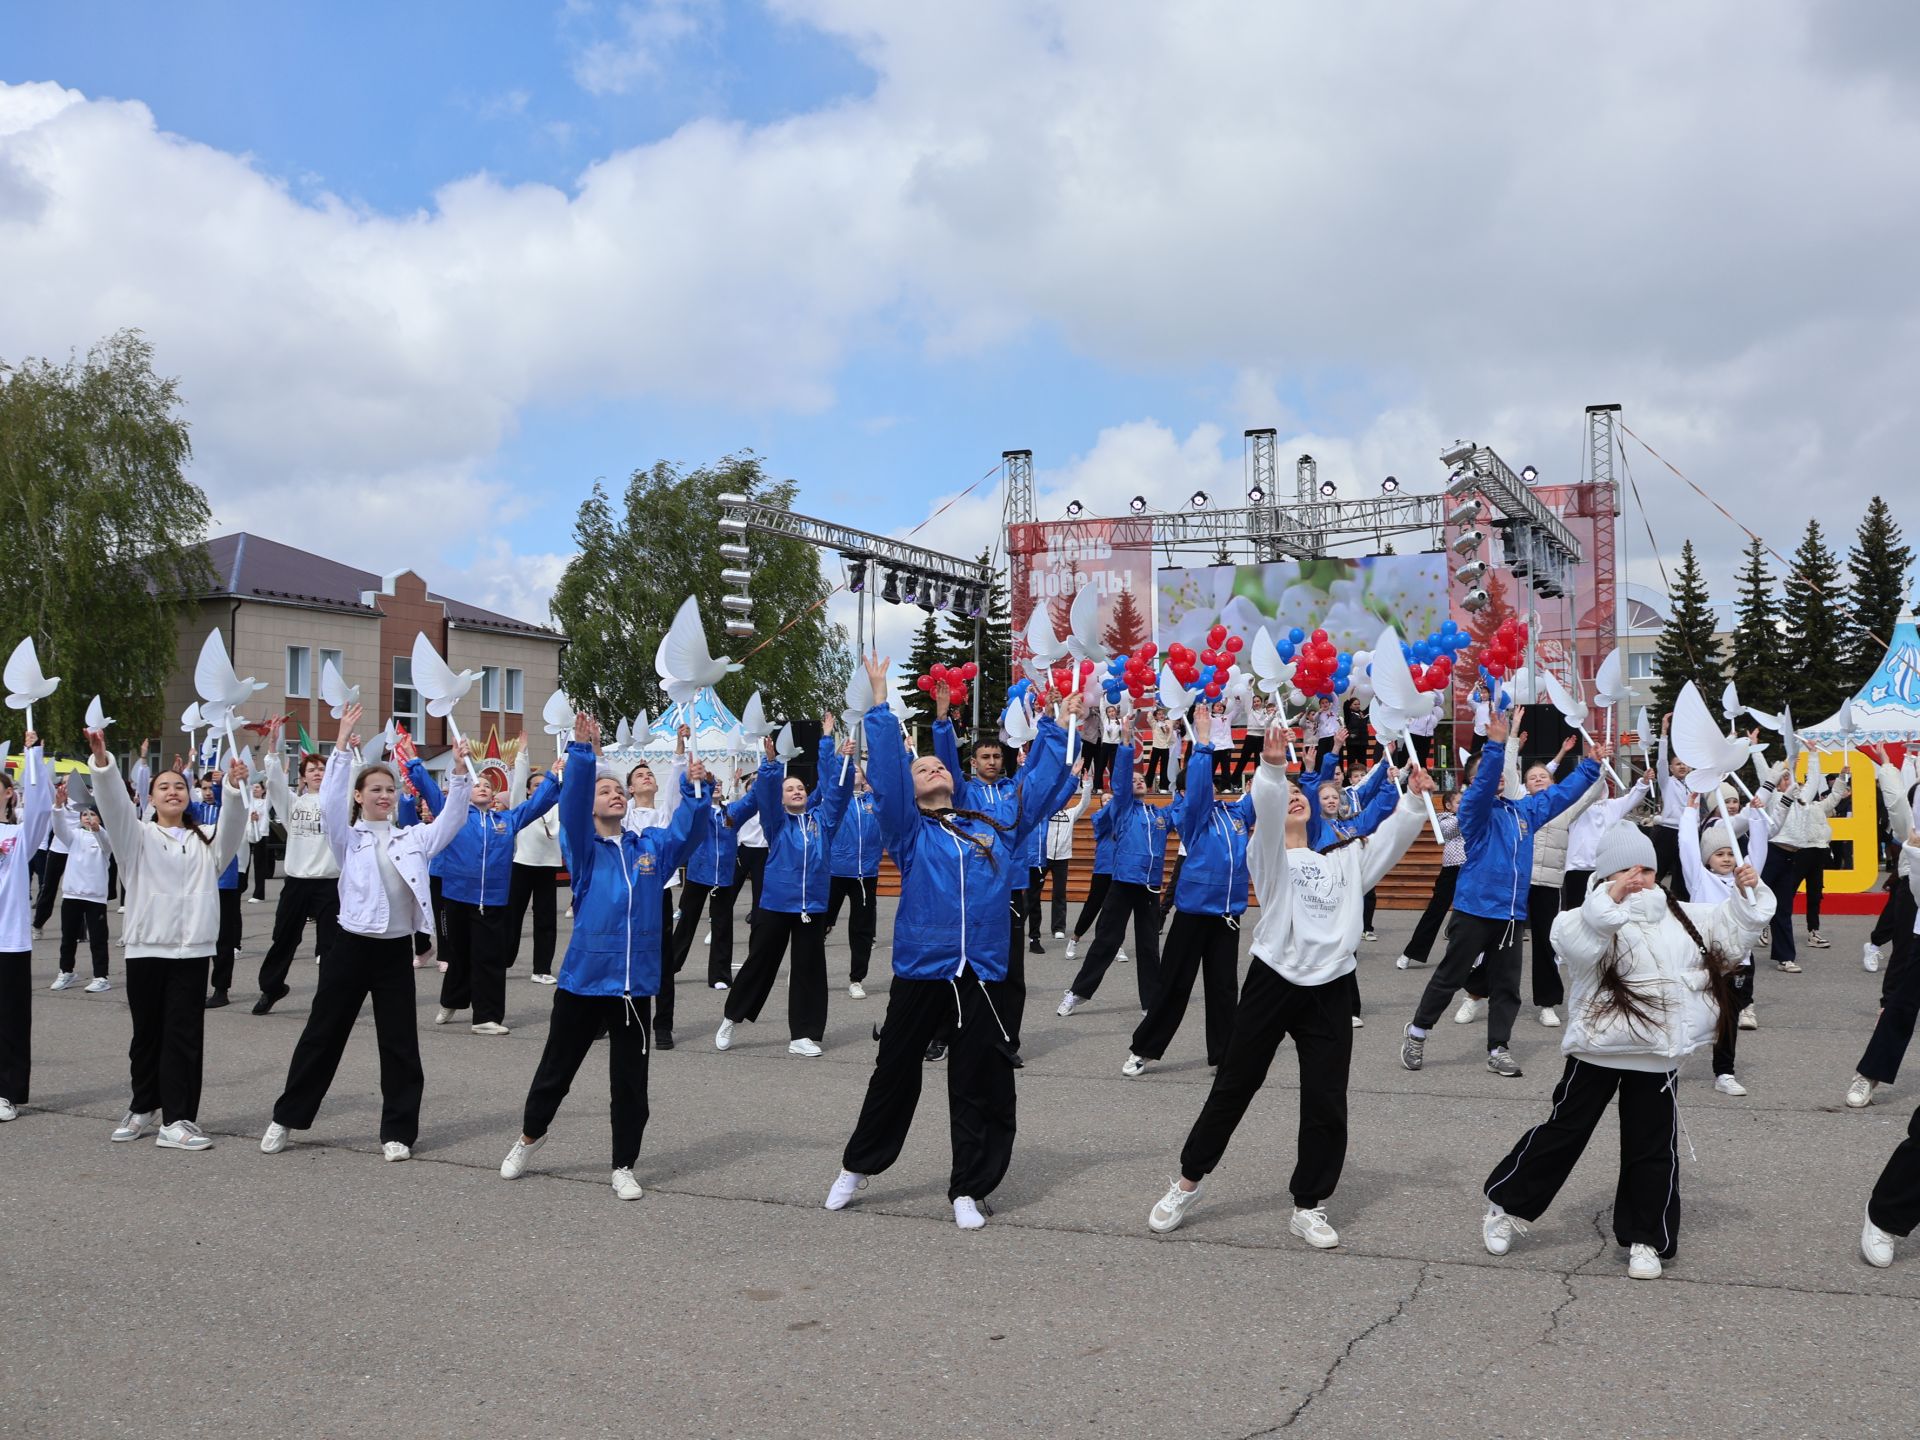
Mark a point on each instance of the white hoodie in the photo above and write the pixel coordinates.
(18, 845)
(1060, 825)
(309, 856)
(171, 877)
(537, 844)
(88, 851)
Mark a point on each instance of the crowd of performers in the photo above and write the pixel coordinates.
(1645, 912)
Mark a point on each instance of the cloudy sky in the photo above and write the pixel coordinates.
(426, 271)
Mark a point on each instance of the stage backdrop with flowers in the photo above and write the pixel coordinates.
(1351, 599)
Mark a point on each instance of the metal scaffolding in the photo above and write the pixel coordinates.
(856, 544)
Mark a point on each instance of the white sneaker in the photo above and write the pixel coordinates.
(1368, 935)
(1059, 934)
(1120, 956)
(8, 1110)
(275, 1140)
(1134, 1066)
(723, 1037)
(1470, 1010)
(1358, 1023)
(1642, 1263)
(803, 1046)
(253, 899)
(1498, 1228)
(1727, 1085)
(1749, 1019)
(844, 1188)
(856, 991)
(65, 980)
(1312, 1227)
(1402, 963)
(707, 939)
(966, 1214)
(625, 1186)
(133, 1125)
(1069, 1002)
(1876, 1245)
(538, 979)
(718, 985)
(1818, 941)
(99, 985)
(444, 1016)
(394, 1150)
(490, 1027)
(1171, 1210)
(515, 1165)
(183, 1135)
(1550, 1017)
(1073, 949)
(1860, 1092)
(1869, 956)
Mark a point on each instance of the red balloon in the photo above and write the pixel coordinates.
(1086, 667)
(1234, 644)
(1149, 650)
(1318, 637)
(1217, 635)
(925, 682)
(969, 671)
(939, 671)
(1209, 657)
(1213, 690)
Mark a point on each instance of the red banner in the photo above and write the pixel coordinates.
(1049, 564)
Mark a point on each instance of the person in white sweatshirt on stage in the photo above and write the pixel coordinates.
(26, 819)
(1301, 984)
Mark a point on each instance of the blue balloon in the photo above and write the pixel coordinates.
(1285, 647)
(1206, 675)
(1296, 635)
(1340, 684)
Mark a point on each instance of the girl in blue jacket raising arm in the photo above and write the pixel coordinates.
(856, 879)
(612, 967)
(950, 943)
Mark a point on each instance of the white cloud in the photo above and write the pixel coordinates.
(647, 35)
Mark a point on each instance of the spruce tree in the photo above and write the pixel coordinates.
(1878, 562)
(927, 649)
(996, 643)
(1758, 662)
(1688, 649)
(1816, 616)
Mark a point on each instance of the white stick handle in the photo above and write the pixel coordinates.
(1433, 819)
(33, 777)
(454, 726)
(1732, 839)
(845, 760)
(1607, 764)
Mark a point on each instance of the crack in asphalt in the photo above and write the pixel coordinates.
(1333, 1370)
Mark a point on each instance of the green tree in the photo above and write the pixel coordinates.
(639, 562)
(996, 643)
(100, 544)
(1878, 562)
(1758, 662)
(927, 650)
(1816, 631)
(1688, 650)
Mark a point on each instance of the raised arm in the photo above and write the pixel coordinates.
(522, 772)
(230, 828)
(691, 823)
(335, 804)
(835, 789)
(541, 801)
(117, 815)
(577, 784)
(278, 792)
(947, 751)
(1042, 779)
(36, 809)
(1693, 867)
(1196, 793)
(1267, 849)
(1561, 796)
(892, 781)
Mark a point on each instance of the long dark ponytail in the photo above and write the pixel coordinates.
(982, 846)
(1616, 996)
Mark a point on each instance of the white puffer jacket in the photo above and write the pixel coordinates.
(1659, 961)
(1800, 824)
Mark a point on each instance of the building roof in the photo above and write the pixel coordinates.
(1647, 609)
(252, 567)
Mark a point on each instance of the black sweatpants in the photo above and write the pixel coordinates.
(168, 1002)
(1270, 1009)
(980, 1089)
(577, 1021)
(1249, 753)
(354, 968)
(54, 865)
(861, 892)
(1125, 902)
(534, 885)
(1814, 868)
(719, 919)
(226, 944)
(261, 862)
(1724, 1050)
(1573, 889)
(1054, 874)
(1666, 857)
(1207, 945)
(767, 945)
(1157, 768)
(476, 947)
(1543, 908)
(1011, 997)
(300, 901)
(89, 918)
(1090, 907)
(1899, 996)
(16, 1024)
(1782, 874)
(1467, 937)
(752, 859)
(663, 1002)
(1427, 929)
(1646, 1203)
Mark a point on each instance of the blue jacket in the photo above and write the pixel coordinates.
(1324, 833)
(617, 910)
(711, 861)
(1498, 834)
(1214, 880)
(799, 846)
(477, 868)
(1103, 840)
(1139, 831)
(407, 813)
(957, 877)
(856, 844)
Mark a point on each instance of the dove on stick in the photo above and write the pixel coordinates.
(685, 664)
(441, 688)
(97, 717)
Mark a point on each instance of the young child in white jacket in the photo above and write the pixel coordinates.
(83, 895)
(1300, 984)
(170, 873)
(26, 817)
(1708, 861)
(1647, 979)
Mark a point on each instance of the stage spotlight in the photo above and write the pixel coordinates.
(856, 575)
(1256, 496)
(942, 596)
(1329, 489)
(1137, 504)
(890, 592)
(737, 554)
(1470, 573)
(1529, 474)
(739, 604)
(1475, 600)
(976, 603)
(909, 587)
(1074, 507)
(739, 629)
(1458, 453)
(1467, 542)
(1464, 513)
(730, 525)
(1199, 500)
(742, 578)
(1389, 484)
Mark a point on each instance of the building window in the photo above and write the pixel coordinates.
(516, 686)
(337, 659)
(1640, 666)
(299, 670)
(489, 687)
(407, 709)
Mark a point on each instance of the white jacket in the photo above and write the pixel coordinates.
(1659, 961)
(1703, 885)
(18, 845)
(1060, 826)
(88, 851)
(171, 880)
(539, 843)
(309, 853)
(363, 899)
(259, 820)
(1583, 839)
(1805, 825)
(1896, 804)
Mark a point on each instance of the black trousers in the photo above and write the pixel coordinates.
(1543, 908)
(1248, 754)
(1169, 890)
(1011, 997)
(1099, 757)
(355, 967)
(1899, 996)
(980, 1089)
(1782, 874)
(1646, 1203)
(534, 885)
(1427, 929)
(1367, 903)
(752, 861)
(1054, 874)
(1724, 1050)
(767, 945)
(1270, 1009)
(1032, 898)
(719, 919)
(16, 1024)
(1573, 889)
(436, 918)
(1207, 945)
(579, 1020)
(477, 945)
(1666, 858)
(1157, 768)
(83, 917)
(1090, 907)
(168, 1002)
(300, 901)
(226, 944)
(663, 1003)
(1124, 903)
(1814, 872)
(1467, 937)
(54, 865)
(262, 863)
(862, 892)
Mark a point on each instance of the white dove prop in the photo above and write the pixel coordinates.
(1575, 713)
(1609, 688)
(1017, 725)
(190, 722)
(685, 664)
(753, 719)
(1274, 676)
(1083, 643)
(1645, 725)
(97, 717)
(1697, 740)
(859, 698)
(1397, 702)
(1731, 707)
(622, 734)
(557, 718)
(221, 691)
(335, 690)
(441, 687)
(25, 684)
(785, 747)
(1176, 700)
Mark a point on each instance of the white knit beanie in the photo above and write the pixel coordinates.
(1621, 848)
(1715, 838)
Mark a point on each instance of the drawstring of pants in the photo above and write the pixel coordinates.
(958, 1020)
(633, 1014)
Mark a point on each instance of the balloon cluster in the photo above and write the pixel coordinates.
(952, 678)
(1430, 661)
(1207, 670)
(1130, 674)
(1063, 679)
(1320, 667)
(1500, 655)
